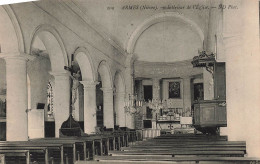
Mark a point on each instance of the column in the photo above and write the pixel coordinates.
(208, 85)
(108, 107)
(210, 41)
(61, 101)
(16, 98)
(90, 118)
(156, 88)
(129, 81)
(120, 109)
(186, 95)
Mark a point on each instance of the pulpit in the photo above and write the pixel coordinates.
(209, 115)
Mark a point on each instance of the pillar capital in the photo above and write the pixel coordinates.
(107, 89)
(62, 75)
(17, 55)
(89, 84)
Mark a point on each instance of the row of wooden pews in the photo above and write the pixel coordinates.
(65, 150)
(181, 148)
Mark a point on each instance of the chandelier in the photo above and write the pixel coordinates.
(157, 104)
(132, 105)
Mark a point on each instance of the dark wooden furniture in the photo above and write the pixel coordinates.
(180, 148)
(131, 159)
(209, 115)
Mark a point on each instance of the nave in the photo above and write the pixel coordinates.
(88, 82)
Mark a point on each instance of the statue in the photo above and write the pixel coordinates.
(71, 127)
(75, 76)
(74, 89)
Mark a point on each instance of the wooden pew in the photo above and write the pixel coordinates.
(70, 142)
(192, 143)
(189, 149)
(100, 141)
(32, 147)
(190, 136)
(160, 159)
(16, 153)
(2, 159)
(178, 153)
(69, 146)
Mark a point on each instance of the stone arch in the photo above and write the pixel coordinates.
(105, 73)
(161, 17)
(13, 40)
(54, 45)
(48, 42)
(83, 58)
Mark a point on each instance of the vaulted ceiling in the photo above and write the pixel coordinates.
(168, 40)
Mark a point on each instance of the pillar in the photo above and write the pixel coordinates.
(61, 99)
(16, 98)
(120, 108)
(108, 107)
(156, 88)
(129, 81)
(208, 81)
(208, 85)
(186, 95)
(90, 118)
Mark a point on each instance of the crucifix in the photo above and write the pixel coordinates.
(71, 127)
(75, 76)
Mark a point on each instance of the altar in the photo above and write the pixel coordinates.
(174, 121)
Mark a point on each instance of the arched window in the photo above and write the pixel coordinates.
(49, 99)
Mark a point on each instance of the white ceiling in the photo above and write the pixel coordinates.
(163, 42)
(167, 42)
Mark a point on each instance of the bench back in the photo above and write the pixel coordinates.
(2, 159)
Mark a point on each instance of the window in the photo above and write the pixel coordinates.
(49, 99)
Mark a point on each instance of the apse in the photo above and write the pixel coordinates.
(169, 41)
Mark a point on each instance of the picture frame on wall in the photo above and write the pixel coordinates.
(174, 89)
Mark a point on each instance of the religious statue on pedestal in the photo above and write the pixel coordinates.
(74, 89)
(71, 127)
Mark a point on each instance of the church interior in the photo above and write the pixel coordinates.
(120, 81)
